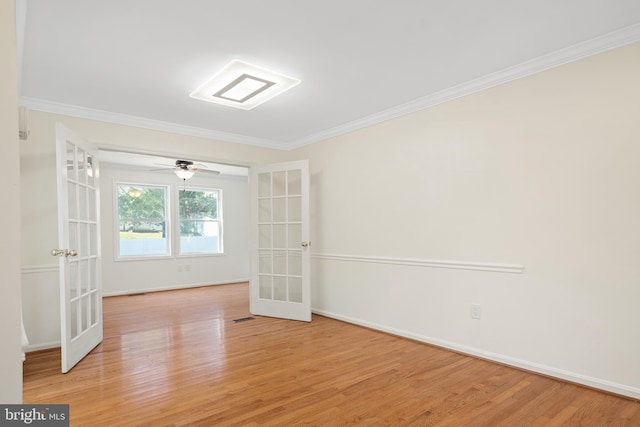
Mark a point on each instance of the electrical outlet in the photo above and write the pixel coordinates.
(187, 267)
(179, 269)
(476, 313)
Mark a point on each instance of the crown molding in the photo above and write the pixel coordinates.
(123, 119)
(615, 39)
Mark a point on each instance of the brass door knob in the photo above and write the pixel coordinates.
(64, 252)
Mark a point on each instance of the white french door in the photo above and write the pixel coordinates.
(280, 252)
(78, 247)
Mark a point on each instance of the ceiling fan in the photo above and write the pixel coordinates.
(185, 169)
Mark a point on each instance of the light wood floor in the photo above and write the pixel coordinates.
(177, 359)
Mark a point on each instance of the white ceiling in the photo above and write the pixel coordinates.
(360, 61)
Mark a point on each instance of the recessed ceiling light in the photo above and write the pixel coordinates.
(242, 85)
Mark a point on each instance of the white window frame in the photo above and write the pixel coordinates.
(219, 220)
(167, 220)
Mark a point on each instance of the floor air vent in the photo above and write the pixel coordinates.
(244, 319)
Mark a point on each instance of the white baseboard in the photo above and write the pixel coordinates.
(171, 288)
(42, 346)
(597, 383)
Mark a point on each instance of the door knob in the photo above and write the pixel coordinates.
(64, 252)
(305, 244)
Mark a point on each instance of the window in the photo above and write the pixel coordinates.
(142, 220)
(200, 222)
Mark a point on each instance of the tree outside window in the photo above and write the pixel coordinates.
(142, 224)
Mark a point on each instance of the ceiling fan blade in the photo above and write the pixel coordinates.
(206, 171)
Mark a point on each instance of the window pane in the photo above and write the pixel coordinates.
(200, 226)
(199, 237)
(198, 205)
(142, 226)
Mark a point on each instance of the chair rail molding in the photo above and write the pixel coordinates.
(428, 263)
(35, 269)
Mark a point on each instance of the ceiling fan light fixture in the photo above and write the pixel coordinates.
(183, 174)
(243, 85)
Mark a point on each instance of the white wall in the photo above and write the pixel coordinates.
(131, 276)
(10, 350)
(540, 174)
(39, 211)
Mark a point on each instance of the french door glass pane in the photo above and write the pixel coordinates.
(279, 187)
(264, 210)
(92, 206)
(74, 287)
(90, 170)
(295, 209)
(93, 273)
(295, 235)
(280, 288)
(72, 200)
(295, 263)
(74, 317)
(84, 318)
(82, 168)
(280, 236)
(294, 179)
(82, 203)
(295, 289)
(280, 262)
(83, 275)
(265, 287)
(71, 162)
(83, 240)
(93, 240)
(279, 209)
(73, 235)
(265, 265)
(94, 308)
(264, 185)
(264, 236)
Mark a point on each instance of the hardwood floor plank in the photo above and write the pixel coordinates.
(176, 358)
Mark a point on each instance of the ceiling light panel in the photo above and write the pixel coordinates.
(243, 85)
